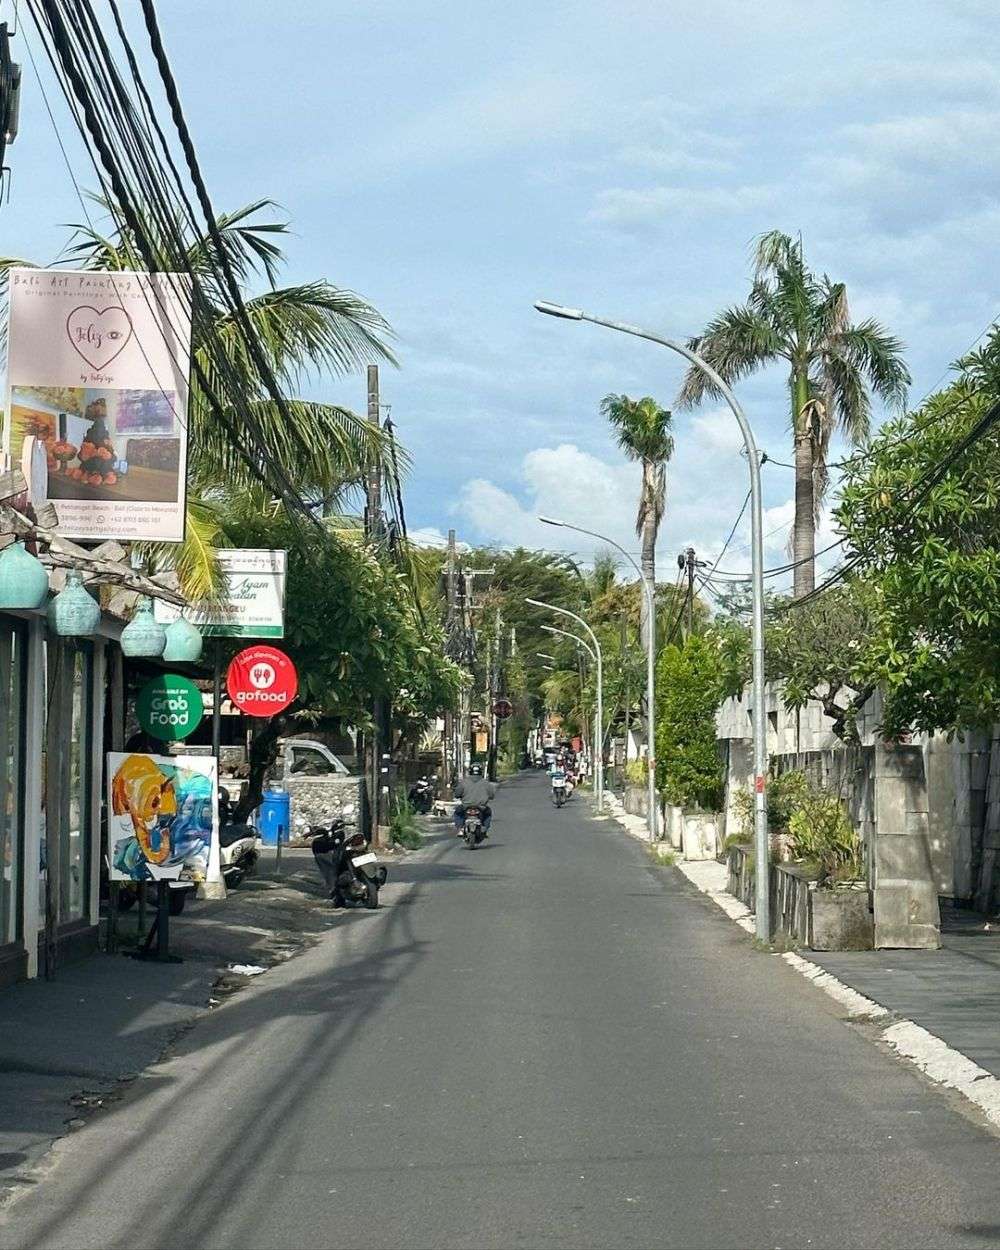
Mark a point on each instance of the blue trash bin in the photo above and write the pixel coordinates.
(274, 812)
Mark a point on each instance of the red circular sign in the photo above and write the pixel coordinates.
(502, 709)
(262, 681)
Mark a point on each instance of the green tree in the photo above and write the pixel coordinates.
(689, 689)
(833, 366)
(922, 510)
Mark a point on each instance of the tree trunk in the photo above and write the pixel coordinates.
(649, 575)
(263, 753)
(804, 531)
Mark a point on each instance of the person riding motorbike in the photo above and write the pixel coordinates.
(474, 791)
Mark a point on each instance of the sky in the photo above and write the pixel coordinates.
(454, 162)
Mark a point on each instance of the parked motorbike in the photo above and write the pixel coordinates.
(421, 795)
(350, 869)
(238, 852)
(472, 829)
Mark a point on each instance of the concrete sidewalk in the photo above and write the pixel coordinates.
(953, 992)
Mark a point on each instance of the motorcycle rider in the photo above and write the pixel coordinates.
(474, 791)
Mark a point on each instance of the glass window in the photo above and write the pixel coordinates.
(66, 832)
(12, 695)
(77, 789)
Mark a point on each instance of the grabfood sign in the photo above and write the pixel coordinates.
(262, 681)
(169, 707)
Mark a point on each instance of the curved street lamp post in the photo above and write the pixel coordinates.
(652, 816)
(761, 840)
(599, 741)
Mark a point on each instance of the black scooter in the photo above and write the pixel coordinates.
(421, 795)
(351, 871)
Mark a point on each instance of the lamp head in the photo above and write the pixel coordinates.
(547, 520)
(558, 310)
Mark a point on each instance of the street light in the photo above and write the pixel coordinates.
(762, 842)
(599, 741)
(652, 817)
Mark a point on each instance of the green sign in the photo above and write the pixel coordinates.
(169, 707)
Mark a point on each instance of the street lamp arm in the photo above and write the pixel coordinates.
(551, 607)
(582, 642)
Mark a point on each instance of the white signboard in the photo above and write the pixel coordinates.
(163, 817)
(254, 605)
(97, 371)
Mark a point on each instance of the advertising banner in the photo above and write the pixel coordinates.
(97, 371)
(254, 602)
(262, 681)
(163, 817)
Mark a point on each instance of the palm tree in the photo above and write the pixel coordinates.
(833, 366)
(643, 430)
(310, 329)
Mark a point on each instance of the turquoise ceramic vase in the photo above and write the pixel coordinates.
(74, 612)
(183, 641)
(24, 583)
(143, 636)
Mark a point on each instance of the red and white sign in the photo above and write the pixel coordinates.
(262, 681)
(503, 709)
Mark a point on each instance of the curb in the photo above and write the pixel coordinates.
(939, 1062)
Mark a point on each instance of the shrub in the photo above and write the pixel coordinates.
(403, 829)
(635, 772)
(785, 793)
(822, 833)
(690, 688)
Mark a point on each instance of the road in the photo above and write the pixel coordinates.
(544, 1042)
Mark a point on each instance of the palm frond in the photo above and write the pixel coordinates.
(194, 560)
(737, 342)
(311, 328)
(322, 447)
(641, 425)
(878, 354)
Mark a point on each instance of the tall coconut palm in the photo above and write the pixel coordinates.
(313, 328)
(833, 366)
(644, 434)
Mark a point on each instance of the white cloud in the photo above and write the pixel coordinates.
(629, 207)
(431, 536)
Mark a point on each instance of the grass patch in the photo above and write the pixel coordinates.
(662, 854)
(403, 827)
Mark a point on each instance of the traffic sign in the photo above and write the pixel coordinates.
(169, 707)
(503, 709)
(262, 681)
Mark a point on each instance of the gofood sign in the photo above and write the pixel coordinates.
(262, 681)
(169, 707)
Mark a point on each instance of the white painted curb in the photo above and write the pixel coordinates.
(936, 1059)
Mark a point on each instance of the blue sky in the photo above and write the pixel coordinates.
(454, 162)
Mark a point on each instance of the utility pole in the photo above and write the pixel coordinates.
(686, 560)
(379, 752)
(494, 694)
(448, 757)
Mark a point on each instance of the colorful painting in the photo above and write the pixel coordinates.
(163, 817)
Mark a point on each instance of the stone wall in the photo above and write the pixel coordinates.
(316, 800)
(912, 803)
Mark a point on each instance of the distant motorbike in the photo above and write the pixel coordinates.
(472, 829)
(421, 795)
(351, 871)
(560, 791)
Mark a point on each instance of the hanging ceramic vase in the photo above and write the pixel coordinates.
(183, 641)
(24, 583)
(74, 612)
(143, 636)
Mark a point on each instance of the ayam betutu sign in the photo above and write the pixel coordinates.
(262, 681)
(253, 604)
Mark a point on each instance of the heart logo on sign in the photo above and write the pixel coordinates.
(98, 335)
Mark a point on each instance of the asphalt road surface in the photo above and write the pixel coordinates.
(543, 1042)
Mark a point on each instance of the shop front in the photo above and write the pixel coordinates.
(51, 747)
